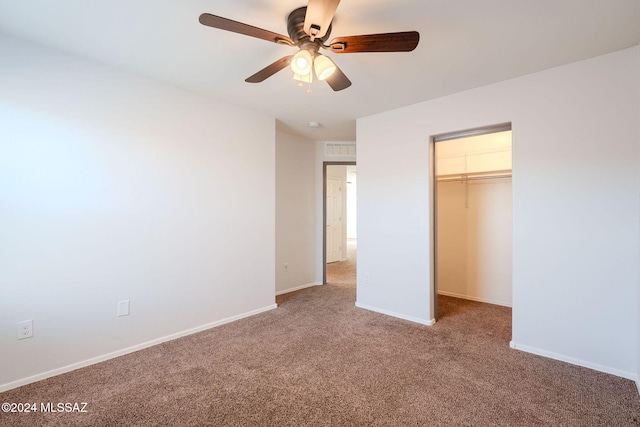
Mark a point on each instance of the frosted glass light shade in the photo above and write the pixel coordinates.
(323, 66)
(303, 79)
(301, 63)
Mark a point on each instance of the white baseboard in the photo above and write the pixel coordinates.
(398, 315)
(485, 300)
(298, 288)
(574, 361)
(122, 352)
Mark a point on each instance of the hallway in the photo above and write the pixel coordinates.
(344, 272)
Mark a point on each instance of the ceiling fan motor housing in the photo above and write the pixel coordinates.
(295, 28)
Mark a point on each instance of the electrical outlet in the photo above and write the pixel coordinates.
(25, 329)
(286, 267)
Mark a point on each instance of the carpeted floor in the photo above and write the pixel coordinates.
(344, 272)
(318, 360)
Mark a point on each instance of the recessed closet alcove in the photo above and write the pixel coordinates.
(473, 221)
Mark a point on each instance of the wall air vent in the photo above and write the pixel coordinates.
(340, 149)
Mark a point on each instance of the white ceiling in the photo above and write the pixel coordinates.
(464, 44)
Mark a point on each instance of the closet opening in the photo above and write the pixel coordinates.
(472, 196)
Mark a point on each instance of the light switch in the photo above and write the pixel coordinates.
(123, 308)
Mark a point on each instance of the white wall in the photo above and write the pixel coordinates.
(576, 161)
(114, 187)
(295, 213)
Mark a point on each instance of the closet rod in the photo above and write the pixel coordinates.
(466, 177)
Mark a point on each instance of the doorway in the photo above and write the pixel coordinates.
(473, 216)
(339, 218)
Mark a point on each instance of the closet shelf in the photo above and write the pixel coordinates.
(473, 176)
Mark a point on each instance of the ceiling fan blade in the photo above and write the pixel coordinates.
(386, 42)
(240, 28)
(338, 80)
(270, 70)
(319, 16)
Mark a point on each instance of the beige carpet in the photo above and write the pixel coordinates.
(344, 272)
(318, 360)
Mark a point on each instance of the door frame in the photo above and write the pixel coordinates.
(324, 213)
(433, 196)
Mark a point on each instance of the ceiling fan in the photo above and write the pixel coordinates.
(309, 28)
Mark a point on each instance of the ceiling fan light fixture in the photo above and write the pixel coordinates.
(324, 67)
(302, 62)
(307, 78)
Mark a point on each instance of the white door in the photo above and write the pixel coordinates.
(334, 219)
